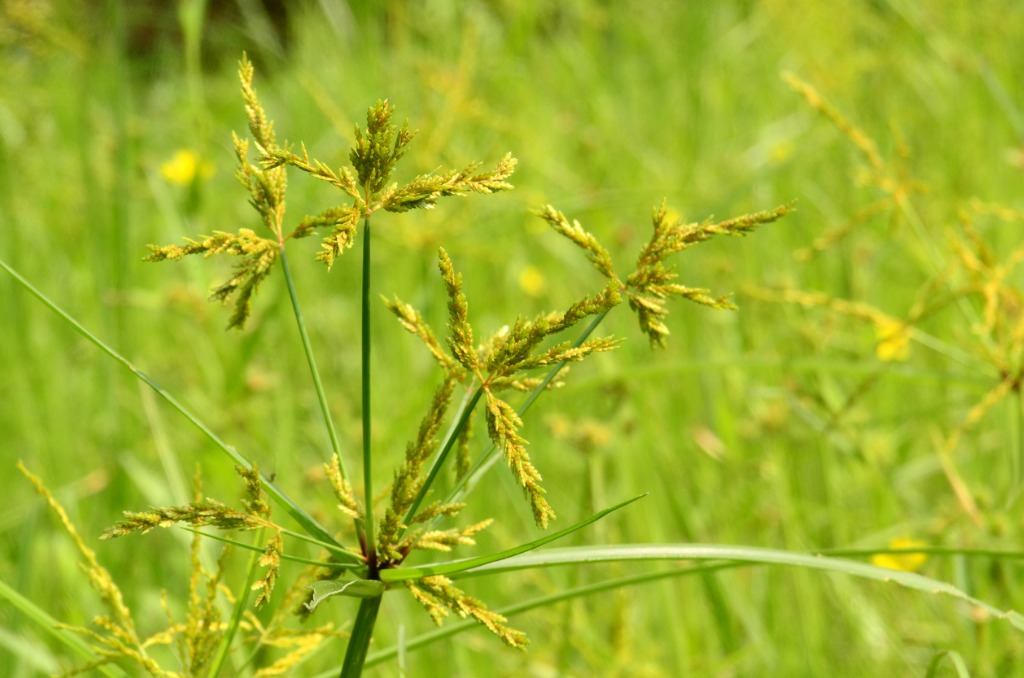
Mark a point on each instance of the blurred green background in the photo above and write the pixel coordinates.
(778, 426)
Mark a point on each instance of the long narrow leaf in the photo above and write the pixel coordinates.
(294, 510)
(746, 554)
(563, 557)
(52, 626)
(237, 612)
(959, 665)
(286, 556)
(449, 630)
(455, 566)
(307, 347)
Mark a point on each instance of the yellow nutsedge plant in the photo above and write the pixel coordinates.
(200, 640)
(486, 375)
(965, 277)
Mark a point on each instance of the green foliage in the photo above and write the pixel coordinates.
(867, 394)
(506, 361)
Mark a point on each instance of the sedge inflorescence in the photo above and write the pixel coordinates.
(527, 355)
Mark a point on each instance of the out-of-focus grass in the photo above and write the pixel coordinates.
(775, 426)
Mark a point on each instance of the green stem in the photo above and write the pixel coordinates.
(370, 546)
(462, 418)
(352, 562)
(486, 460)
(1016, 447)
(359, 642)
(308, 348)
(241, 603)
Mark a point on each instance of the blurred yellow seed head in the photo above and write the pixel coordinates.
(893, 340)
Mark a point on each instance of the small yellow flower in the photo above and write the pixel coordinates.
(907, 562)
(184, 167)
(531, 281)
(893, 340)
(780, 152)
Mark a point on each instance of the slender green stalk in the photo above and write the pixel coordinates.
(962, 671)
(462, 418)
(359, 642)
(241, 603)
(370, 547)
(1016, 451)
(308, 348)
(356, 566)
(366, 618)
(454, 567)
(490, 456)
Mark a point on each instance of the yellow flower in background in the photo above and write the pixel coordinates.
(531, 281)
(184, 167)
(780, 152)
(907, 562)
(893, 340)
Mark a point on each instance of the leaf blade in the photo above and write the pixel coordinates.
(455, 566)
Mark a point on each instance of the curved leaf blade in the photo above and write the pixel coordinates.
(455, 566)
(746, 554)
(307, 522)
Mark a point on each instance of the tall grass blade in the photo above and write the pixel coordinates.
(452, 567)
(51, 625)
(450, 630)
(307, 522)
(959, 665)
(747, 554)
